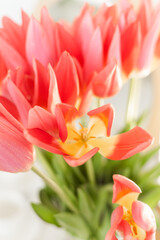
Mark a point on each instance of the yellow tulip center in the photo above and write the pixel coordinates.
(137, 232)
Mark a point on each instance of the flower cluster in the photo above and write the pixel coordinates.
(50, 71)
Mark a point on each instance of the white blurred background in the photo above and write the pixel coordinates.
(17, 219)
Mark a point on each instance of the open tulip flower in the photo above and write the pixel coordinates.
(60, 133)
(133, 219)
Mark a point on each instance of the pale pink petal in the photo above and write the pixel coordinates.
(123, 186)
(37, 44)
(19, 100)
(143, 216)
(16, 152)
(94, 56)
(116, 219)
(114, 51)
(148, 45)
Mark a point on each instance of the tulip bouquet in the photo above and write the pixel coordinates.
(53, 120)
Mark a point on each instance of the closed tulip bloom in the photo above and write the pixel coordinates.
(133, 219)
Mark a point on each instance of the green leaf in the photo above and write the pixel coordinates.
(86, 205)
(152, 197)
(74, 224)
(149, 155)
(44, 213)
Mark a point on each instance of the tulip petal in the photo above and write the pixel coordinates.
(41, 81)
(43, 140)
(66, 69)
(114, 51)
(148, 46)
(143, 216)
(61, 123)
(16, 152)
(129, 143)
(116, 218)
(122, 186)
(19, 100)
(11, 57)
(37, 44)
(73, 162)
(94, 57)
(53, 97)
(65, 42)
(10, 107)
(42, 119)
(107, 82)
(102, 119)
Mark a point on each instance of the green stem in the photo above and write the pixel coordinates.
(45, 164)
(56, 188)
(133, 101)
(90, 172)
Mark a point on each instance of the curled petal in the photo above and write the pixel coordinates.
(122, 186)
(102, 119)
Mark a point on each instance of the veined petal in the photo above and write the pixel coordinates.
(116, 219)
(107, 82)
(16, 152)
(143, 216)
(66, 69)
(125, 191)
(37, 44)
(73, 162)
(101, 120)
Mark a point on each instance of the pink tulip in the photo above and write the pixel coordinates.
(17, 153)
(36, 44)
(132, 220)
(59, 133)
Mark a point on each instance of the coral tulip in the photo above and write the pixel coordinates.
(61, 134)
(133, 219)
